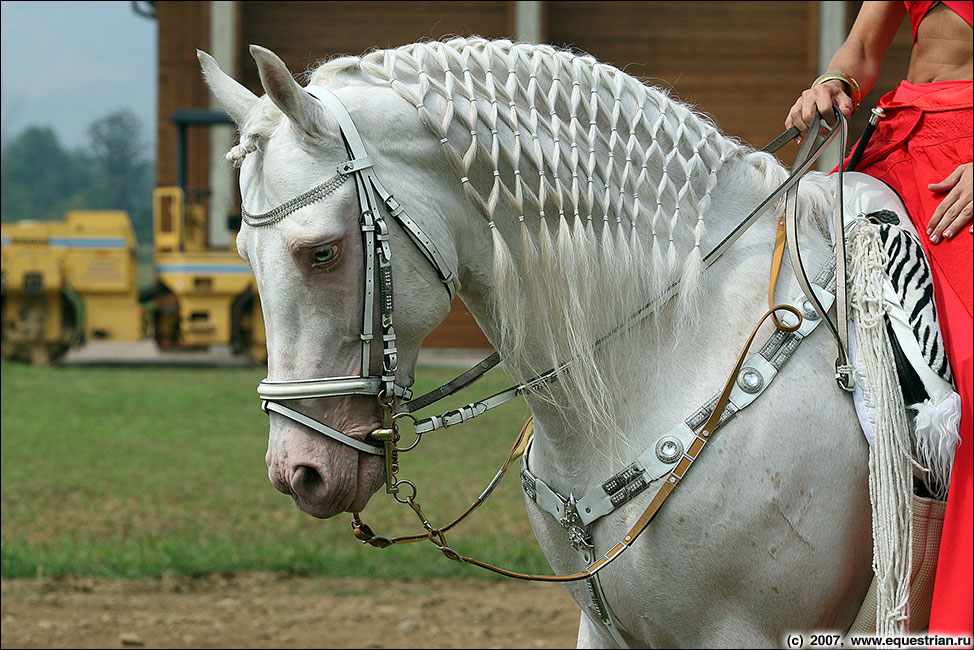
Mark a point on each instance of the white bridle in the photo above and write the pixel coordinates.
(378, 277)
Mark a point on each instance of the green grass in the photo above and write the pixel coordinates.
(148, 471)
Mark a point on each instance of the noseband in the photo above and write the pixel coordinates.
(372, 195)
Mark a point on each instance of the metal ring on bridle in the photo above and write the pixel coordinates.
(383, 402)
(404, 500)
(412, 417)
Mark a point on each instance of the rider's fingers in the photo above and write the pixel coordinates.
(844, 104)
(823, 104)
(809, 107)
(796, 116)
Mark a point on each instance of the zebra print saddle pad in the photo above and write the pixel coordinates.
(915, 342)
(909, 274)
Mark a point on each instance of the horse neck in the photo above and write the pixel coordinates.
(544, 287)
(594, 432)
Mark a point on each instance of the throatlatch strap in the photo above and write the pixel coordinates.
(452, 386)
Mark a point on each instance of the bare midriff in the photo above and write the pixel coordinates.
(943, 50)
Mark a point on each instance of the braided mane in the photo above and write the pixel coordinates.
(610, 180)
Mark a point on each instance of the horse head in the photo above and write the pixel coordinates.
(308, 253)
(573, 177)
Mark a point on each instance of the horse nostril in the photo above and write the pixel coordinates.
(307, 483)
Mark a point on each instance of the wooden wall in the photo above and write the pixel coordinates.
(744, 63)
(740, 62)
(304, 33)
(184, 27)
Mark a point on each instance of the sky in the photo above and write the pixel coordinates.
(66, 64)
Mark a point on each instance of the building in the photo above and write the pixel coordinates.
(743, 63)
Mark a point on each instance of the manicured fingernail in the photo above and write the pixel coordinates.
(947, 234)
(930, 230)
(933, 238)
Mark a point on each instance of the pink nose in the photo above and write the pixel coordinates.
(313, 494)
(307, 483)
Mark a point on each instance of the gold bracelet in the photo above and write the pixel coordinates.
(851, 85)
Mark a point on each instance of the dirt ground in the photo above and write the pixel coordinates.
(272, 611)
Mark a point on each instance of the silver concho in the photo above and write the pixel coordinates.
(809, 310)
(669, 449)
(750, 380)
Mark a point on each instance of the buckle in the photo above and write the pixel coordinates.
(845, 376)
(358, 164)
(395, 208)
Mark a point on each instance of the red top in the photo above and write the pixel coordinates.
(918, 10)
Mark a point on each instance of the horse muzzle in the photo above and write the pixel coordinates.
(323, 477)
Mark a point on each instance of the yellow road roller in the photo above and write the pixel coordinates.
(68, 281)
(71, 281)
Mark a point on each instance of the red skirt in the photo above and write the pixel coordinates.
(926, 134)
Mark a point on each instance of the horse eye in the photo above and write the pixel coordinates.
(325, 254)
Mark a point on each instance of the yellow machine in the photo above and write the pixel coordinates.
(66, 282)
(207, 295)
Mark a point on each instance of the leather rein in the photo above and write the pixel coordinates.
(385, 440)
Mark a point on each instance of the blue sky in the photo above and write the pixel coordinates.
(66, 64)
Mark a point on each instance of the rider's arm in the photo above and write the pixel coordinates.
(860, 57)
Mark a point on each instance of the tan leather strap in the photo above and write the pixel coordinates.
(364, 532)
(437, 537)
(780, 238)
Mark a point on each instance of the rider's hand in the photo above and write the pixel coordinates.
(954, 212)
(819, 98)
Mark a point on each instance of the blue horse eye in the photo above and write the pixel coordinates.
(324, 254)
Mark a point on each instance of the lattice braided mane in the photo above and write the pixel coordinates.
(583, 155)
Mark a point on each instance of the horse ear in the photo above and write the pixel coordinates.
(235, 98)
(294, 101)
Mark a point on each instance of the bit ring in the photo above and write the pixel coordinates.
(412, 417)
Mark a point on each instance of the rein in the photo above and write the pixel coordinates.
(378, 278)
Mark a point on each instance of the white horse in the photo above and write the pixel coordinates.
(618, 192)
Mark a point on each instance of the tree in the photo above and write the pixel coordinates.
(122, 175)
(41, 180)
